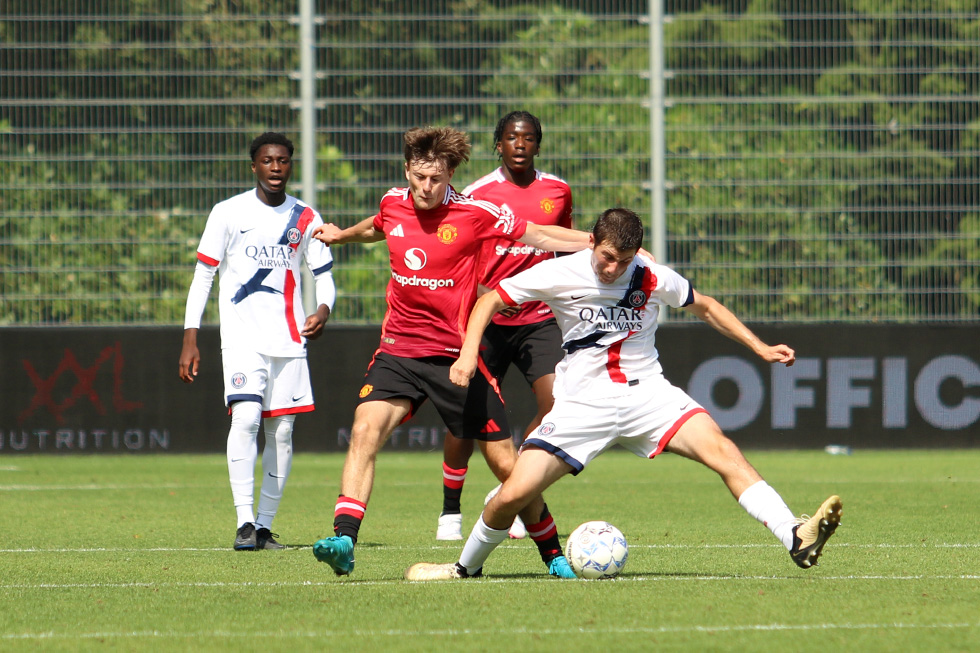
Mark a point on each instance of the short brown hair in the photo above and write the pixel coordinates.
(429, 144)
(620, 228)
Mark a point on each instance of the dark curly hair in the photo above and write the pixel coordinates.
(270, 138)
(517, 116)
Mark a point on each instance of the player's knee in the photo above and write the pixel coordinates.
(510, 499)
(365, 438)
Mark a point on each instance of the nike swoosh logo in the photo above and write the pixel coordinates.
(245, 231)
(298, 398)
(237, 460)
(274, 476)
(573, 297)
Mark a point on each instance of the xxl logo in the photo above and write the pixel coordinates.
(415, 259)
(84, 387)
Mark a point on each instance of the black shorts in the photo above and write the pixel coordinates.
(534, 348)
(475, 412)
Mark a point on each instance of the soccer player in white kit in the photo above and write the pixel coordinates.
(255, 241)
(610, 389)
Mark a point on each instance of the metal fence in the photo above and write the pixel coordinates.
(814, 167)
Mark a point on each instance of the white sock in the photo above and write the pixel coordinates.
(765, 504)
(277, 460)
(479, 545)
(241, 449)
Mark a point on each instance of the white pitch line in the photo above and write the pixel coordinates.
(496, 632)
(653, 481)
(503, 547)
(491, 580)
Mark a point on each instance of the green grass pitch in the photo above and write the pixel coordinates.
(134, 553)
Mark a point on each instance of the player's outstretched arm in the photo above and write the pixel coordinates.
(722, 320)
(362, 232)
(465, 366)
(552, 238)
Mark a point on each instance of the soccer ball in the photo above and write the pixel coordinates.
(596, 549)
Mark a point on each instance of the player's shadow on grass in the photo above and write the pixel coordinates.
(367, 545)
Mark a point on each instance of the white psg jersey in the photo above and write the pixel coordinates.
(607, 329)
(258, 249)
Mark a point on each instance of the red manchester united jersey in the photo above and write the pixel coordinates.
(548, 200)
(435, 257)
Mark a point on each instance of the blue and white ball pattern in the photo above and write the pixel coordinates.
(597, 549)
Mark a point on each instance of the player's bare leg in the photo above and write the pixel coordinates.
(543, 388)
(534, 471)
(701, 439)
(373, 423)
(521, 494)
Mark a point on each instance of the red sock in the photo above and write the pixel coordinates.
(452, 488)
(347, 517)
(545, 536)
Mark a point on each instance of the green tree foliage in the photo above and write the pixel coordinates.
(752, 206)
(820, 166)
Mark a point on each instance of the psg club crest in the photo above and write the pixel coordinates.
(238, 380)
(546, 429)
(637, 298)
(293, 235)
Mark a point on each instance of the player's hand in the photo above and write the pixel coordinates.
(313, 327)
(328, 234)
(779, 354)
(462, 371)
(190, 359)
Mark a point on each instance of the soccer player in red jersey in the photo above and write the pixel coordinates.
(526, 336)
(435, 238)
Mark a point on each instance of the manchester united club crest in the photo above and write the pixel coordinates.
(365, 390)
(447, 234)
(548, 205)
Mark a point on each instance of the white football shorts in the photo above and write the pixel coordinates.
(642, 421)
(280, 384)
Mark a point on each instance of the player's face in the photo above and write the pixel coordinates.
(518, 145)
(427, 181)
(272, 167)
(609, 262)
